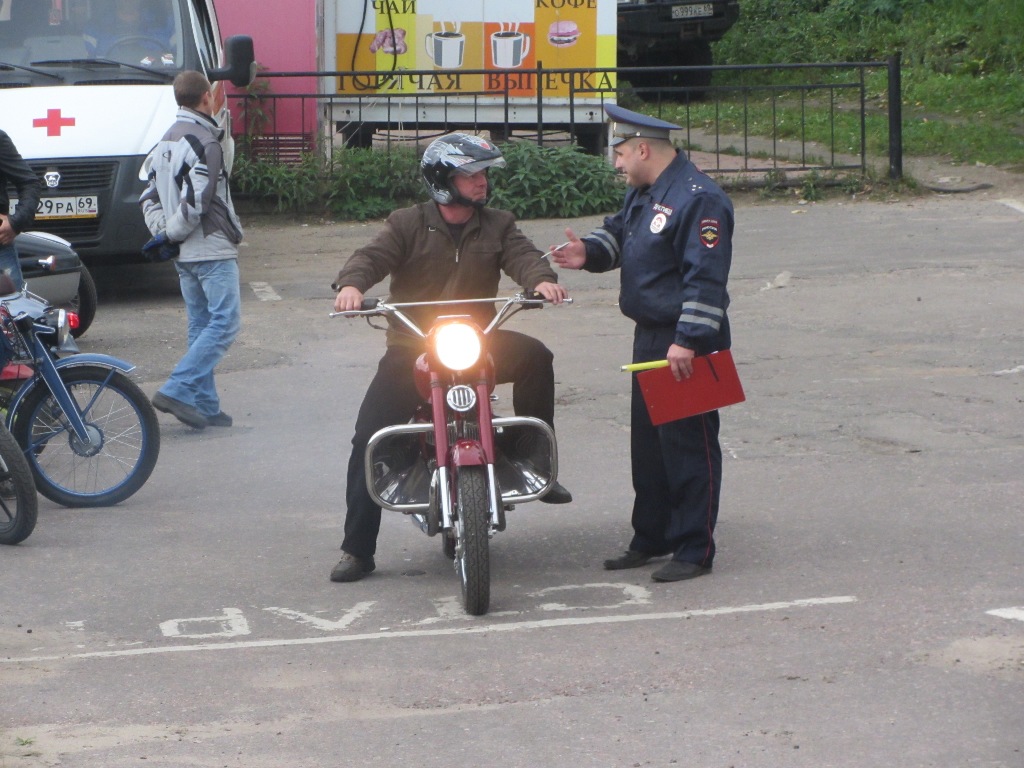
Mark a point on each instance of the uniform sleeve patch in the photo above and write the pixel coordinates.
(709, 234)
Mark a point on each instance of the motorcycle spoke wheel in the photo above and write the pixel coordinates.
(18, 503)
(124, 439)
(472, 546)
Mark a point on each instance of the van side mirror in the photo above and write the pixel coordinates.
(240, 60)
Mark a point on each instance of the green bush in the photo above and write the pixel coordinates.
(554, 182)
(360, 184)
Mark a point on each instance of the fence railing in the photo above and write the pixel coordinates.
(753, 119)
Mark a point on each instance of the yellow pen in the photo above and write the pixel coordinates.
(634, 367)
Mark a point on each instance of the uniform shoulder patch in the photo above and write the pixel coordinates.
(709, 232)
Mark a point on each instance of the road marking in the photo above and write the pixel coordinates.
(1017, 205)
(1016, 614)
(264, 292)
(518, 626)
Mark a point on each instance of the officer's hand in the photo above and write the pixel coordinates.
(680, 360)
(572, 255)
(553, 292)
(348, 299)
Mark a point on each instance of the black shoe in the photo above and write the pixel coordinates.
(677, 570)
(558, 494)
(183, 412)
(219, 419)
(630, 559)
(352, 568)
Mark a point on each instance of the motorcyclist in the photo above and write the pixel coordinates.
(451, 247)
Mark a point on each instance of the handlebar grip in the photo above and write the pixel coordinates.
(369, 304)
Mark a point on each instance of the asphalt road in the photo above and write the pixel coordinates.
(867, 602)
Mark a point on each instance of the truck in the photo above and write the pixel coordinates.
(671, 33)
(438, 63)
(85, 94)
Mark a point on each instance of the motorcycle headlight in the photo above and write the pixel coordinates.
(457, 345)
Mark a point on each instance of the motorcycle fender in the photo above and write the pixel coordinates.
(93, 358)
(87, 358)
(468, 453)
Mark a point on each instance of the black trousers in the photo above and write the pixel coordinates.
(392, 398)
(677, 471)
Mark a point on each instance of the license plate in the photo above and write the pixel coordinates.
(697, 11)
(80, 207)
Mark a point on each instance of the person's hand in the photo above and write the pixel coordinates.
(680, 360)
(553, 292)
(572, 255)
(7, 233)
(348, 299)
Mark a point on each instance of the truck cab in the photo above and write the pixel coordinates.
(85, 94)
(671, 33)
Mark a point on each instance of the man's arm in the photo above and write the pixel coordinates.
(18, 172)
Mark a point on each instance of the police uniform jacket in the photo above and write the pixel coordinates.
(673, 243)
(417, 250)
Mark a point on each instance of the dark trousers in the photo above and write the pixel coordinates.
(392, 398)
(677, 471)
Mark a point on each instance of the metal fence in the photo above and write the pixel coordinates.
(741, 122)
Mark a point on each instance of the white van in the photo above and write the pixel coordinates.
(85, 94)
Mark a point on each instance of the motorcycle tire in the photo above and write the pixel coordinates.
(116, 410)
(18, 503)
(472, 553)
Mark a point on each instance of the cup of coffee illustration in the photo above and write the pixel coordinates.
(446, 47)
(509, 47)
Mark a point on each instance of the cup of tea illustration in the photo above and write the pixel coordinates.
(446, 48)
(509, 48)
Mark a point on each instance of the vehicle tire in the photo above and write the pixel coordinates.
(472, 553)
(85, 302)
(667, 86)
(18, 502)
(117, 412)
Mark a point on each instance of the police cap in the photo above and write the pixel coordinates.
(627, 125)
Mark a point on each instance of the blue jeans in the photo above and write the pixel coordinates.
(9, 263)
(213, 303)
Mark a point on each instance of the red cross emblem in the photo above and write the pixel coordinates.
(53, 122)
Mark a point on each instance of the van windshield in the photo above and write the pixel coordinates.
(152, 35)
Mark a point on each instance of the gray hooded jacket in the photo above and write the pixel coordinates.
(188, 196)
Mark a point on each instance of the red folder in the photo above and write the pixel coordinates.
(714, 384)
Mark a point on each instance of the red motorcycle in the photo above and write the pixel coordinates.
(454, 468)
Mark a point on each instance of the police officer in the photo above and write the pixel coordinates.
(673, 242)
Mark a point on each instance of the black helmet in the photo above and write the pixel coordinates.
(456, 152)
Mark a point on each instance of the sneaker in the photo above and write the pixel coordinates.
(352, 568)
(219, 419)
(183, 412)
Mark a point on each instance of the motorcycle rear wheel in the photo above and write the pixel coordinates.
(18, 503)
(115, 409)
(472, 553)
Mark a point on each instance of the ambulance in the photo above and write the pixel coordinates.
(85, 94)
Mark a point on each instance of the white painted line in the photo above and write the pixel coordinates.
(1017, 614)
(462, 630)
(264, 292)
(1017, 205)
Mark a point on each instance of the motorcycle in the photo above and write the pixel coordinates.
(18, 503)
(88, 432)
(454, 467)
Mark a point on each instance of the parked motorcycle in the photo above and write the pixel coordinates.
(18, 503)
(89, 433)
(455, 467)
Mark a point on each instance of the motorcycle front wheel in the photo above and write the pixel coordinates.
(472, 553)
(18, 503)
(124, 438)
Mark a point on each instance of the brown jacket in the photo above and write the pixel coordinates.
(417, 250)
